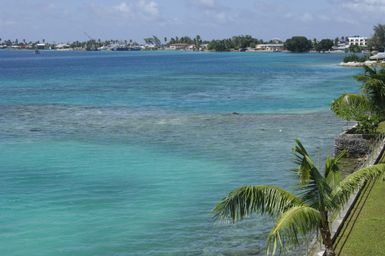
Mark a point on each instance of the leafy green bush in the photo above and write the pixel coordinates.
(368, 125)
(355, 58)
(381, 127)
(355, 48)
(368, 107)
(298, 44)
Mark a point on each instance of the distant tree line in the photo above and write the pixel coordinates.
(298, 44)
(196, 41)
(302, 44)
(238, 43)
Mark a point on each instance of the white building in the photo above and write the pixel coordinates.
(269, 47)
(358, 40)
(62, 46)
(40, 46)
(182, 46)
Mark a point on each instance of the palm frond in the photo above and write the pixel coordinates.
(292, 226)
(332, 170)
(369, 72)
(376, 72)
(354, 181)
(314, 187)
(245, 200)
(351, 106)
(374, 88)
(304, 162)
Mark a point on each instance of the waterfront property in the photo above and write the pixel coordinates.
(41, 46)
(62, 46)
(181, 46)
(358, 40)
(270, 47)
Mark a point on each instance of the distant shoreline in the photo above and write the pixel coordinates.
(169, 50)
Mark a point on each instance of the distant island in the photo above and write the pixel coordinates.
(241, 43)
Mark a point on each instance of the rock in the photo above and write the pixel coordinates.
(358, 64)
(356, 145)
(352, 64)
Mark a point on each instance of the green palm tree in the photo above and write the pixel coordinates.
(367, 108)
(374, 88)
(321, 195)
(357, 107)
(351, 106)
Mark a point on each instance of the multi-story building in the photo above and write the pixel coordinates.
(358, 40)
(270, 47)
(181, 46)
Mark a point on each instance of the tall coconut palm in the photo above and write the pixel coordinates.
(320, 195)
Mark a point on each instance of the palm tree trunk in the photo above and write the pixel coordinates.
(326, 235)
(327, 241)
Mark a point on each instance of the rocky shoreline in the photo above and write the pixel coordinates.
(359, 64)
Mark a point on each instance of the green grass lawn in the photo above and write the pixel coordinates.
(364, 232)
(381, 128)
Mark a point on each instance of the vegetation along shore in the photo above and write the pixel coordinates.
(321, 195)
(353, 44)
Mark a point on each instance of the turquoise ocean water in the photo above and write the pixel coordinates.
(127, 153)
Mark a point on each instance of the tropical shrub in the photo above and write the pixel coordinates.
(378, 40)
(298, 44)
(355, 58)
(324, 45)
(368, 107)
(355, 48)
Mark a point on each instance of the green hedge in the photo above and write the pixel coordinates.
(355, 58)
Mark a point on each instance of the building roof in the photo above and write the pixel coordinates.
(271, 45)
(378, 56)
(179, 44)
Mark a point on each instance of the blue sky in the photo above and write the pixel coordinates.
(67, 20)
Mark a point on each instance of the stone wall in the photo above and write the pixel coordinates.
(356, 145)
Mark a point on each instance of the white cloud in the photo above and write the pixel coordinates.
(6, 23)
(210, 4)
(215, 13)
(306, 17)
(323, 17)
(365, 5)
(123, 8)
(151, 8)
(138, 10)
(222, 17)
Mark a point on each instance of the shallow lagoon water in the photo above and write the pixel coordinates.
(127, 153)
